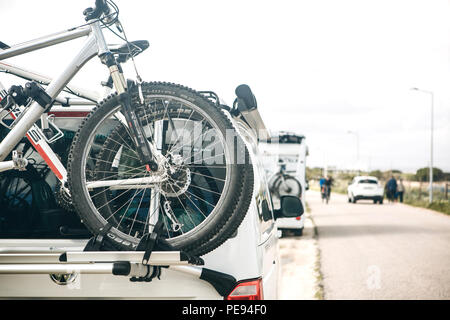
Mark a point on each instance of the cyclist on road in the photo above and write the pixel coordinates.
(321, 182)
(325, 188)
(328, 183)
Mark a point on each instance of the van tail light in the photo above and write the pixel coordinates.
(247, 290)
(298, 218)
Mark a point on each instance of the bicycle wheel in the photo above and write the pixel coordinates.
(200, 191)
(286, 185)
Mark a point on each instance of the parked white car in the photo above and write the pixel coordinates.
(365, 188)
(245, 267)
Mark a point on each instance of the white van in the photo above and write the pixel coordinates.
(289, 151)
(54, 265)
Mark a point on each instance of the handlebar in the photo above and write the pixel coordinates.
(93, 13)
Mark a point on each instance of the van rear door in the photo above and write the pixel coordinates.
(173, 284)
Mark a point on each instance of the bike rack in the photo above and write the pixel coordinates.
(94, 259)
(140, 266)
(118, 263)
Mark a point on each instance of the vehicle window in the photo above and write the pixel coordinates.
(263, 197)
(265, 211)
(290, 139)
(28, 199)
(370, 181)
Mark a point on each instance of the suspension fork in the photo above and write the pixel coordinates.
(137, 131)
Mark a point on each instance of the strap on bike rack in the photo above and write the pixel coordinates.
(153, 241)
(97, 242)
(150, 242)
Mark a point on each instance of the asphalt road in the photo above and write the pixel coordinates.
(389, 251)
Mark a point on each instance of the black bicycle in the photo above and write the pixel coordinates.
(325, 193)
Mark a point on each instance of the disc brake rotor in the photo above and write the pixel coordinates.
(179, 177)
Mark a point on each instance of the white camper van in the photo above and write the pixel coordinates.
(285, 163)
(42, 244)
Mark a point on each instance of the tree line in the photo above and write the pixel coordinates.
(422, 174)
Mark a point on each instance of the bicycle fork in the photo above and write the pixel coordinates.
(123, 88)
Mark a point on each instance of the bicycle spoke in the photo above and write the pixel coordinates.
(129, 201)
(203, 149)
(122, 153)
(110, 162)
(201, 199)
(192, 141)
(206, 176)
(127, 146)
(204, 189)
(137, 211)
(184, 129)
(217, 155)
(208, 166)
(189, 198)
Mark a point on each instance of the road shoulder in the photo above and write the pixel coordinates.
(300, 260)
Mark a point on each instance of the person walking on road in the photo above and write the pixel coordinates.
(400, 190)
(391, 188)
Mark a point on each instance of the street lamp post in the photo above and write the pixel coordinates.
(431, 141)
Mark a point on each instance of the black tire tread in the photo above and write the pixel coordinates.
(224, 226)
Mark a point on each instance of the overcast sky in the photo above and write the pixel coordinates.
(318, 67)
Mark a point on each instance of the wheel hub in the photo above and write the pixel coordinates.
(179, 177)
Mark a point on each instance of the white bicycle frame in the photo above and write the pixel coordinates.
(25, 119)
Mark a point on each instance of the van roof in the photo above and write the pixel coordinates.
(283, 137)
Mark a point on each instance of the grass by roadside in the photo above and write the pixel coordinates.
(420, 198)
(308, 208)
(319, 295)
(440, 206)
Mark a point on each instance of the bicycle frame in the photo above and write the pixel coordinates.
(87, 97)
(25, 126)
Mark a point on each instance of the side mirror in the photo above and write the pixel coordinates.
(246, 99)
(291, 207)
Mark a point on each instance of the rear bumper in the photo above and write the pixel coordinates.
(368, 197)
(290, 223)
